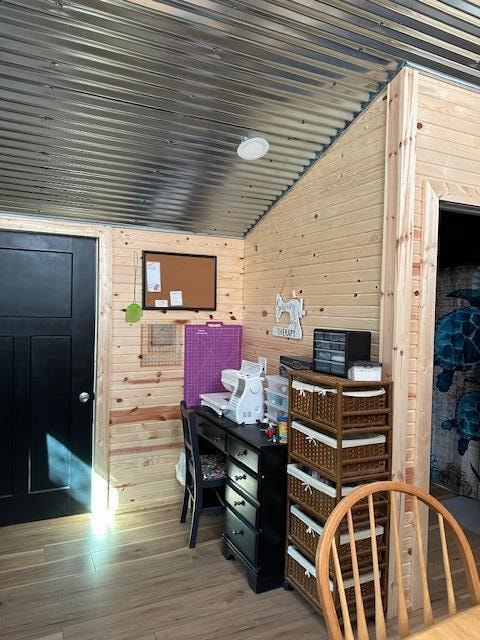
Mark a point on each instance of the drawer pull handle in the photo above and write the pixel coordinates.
(244, 477)
(242, 453)
(239, 503)
(217, 438)
(237, 532)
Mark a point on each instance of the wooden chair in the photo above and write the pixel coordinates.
(327, 550)
(204, 473)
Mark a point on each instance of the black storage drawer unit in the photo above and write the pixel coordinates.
(241, 535)
(239, 451)
(213, 434)
(255, 496)
(242, 479)
(246, 508)
(335, 349)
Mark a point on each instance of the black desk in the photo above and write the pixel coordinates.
(255, 496)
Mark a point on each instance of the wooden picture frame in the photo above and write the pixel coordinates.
(192, 278)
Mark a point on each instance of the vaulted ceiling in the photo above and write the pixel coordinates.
(131, 112)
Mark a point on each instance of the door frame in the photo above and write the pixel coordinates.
(398, 341)
(434, 194)
(103, 330)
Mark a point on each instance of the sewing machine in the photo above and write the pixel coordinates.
(296, 312)
(243, 402)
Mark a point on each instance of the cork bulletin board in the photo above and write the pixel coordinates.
(179, 281)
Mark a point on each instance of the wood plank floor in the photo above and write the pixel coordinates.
(59, 580)
(62, 580)
(436, 575)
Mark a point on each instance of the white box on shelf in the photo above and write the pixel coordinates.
(365, 371)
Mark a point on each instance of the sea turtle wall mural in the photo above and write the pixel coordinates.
(456, 393)
(457, 338)
(466, 421)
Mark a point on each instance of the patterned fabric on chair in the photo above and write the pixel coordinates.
(213, 466)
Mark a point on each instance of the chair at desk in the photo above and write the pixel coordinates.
(204, 474)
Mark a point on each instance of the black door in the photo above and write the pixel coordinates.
(47, 338)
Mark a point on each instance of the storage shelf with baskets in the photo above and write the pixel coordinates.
(339, 437)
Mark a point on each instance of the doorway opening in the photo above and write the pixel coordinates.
(455, 441)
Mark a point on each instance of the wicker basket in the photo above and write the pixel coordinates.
(325, 408)
(302, 398)
(306, 533)
(307, 581)
(320, 496)
(321, 450)
(305, 493)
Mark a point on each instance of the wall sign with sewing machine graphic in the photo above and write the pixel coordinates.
(294, 308)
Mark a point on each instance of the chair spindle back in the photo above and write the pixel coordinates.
(328, 551)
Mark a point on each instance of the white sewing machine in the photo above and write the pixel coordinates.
(243, 403)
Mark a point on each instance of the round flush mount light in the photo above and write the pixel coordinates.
(252, 148)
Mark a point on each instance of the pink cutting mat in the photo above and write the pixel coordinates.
(209, 348)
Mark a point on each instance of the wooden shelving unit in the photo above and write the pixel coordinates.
(340, 431)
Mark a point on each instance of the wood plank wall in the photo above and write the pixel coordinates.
(448, 150)
(324, 240)
(145, 433)
(447, 157)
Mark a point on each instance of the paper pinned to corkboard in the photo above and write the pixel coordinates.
(154, 280)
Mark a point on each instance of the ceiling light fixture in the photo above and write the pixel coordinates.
(252, 148)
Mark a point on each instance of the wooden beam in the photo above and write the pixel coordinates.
(101, 454)
(397, 260)
(426, 334)
(143, 414)
(397, 264)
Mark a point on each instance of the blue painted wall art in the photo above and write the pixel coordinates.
(455, 454)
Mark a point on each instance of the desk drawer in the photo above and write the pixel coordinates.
(212, 433)
(239, 451)
(242, 479)
(241, 505)
(241, 535)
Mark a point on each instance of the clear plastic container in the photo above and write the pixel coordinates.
(274, 412)
(277, 384)
(278, 399)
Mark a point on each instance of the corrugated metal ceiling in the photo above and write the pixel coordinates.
(130, 112)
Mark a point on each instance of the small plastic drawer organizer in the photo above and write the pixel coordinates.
(278, 399)
(302, 572)
(320, 450)
(317, 494)
(306, 533)
(274, 411)
(277, 384)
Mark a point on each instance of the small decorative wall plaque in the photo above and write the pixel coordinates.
(294, 308)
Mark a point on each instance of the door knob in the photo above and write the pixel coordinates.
(84, 396)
